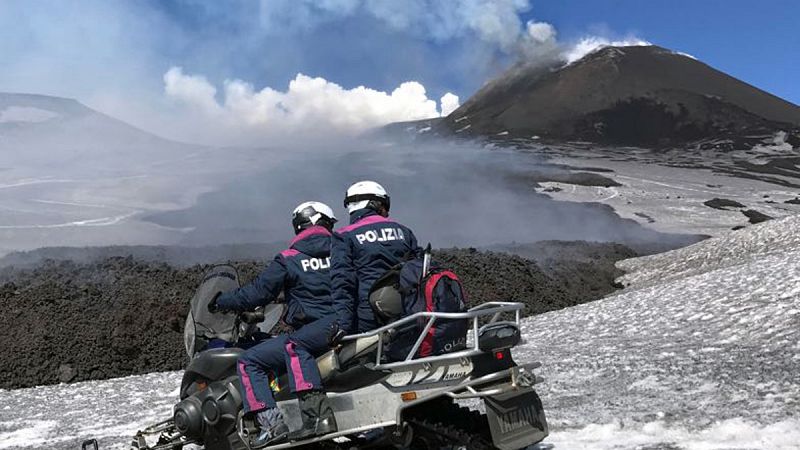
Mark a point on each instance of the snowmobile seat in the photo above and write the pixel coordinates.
(333, 361)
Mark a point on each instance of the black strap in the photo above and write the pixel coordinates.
(361, 197)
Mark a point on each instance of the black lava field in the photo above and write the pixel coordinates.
(66, 321)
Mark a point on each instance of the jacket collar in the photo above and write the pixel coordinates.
(361, 214)
(316, 230)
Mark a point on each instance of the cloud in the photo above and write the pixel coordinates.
(194, 90)
(113, 56)
(540, 32)
(309, 104)
(493, 21)
(591, 44)
(312, 106)
(449, 103)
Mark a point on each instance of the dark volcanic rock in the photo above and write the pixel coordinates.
(579, 178)
(756, 216)
(645, 216)
(490, 276)
(723, 204)
(642, 95)
(587, 270)
(63, 321)
(174, 255)
(560, 175)
(794, 201)
(66, 373)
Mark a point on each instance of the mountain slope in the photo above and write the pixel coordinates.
(703, 336)
(640, 95)
(48, 130)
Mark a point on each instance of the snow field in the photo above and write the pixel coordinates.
(701, 351)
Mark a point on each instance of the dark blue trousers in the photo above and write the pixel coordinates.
(254, 368)
(302, 349)
(296, 352)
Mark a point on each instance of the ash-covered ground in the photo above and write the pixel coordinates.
(707, 192)
(67, 321)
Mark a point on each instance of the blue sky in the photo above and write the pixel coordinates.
(758, 42)
(114, 54)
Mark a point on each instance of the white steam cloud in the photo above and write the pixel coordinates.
(593, 43)
(496, 22)
(449, 103)
(316, 106)
(453, 45)
(541, 32)
(308, 104)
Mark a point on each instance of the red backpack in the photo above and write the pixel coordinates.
(407, 289)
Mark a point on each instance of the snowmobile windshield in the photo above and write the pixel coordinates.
(203, 326)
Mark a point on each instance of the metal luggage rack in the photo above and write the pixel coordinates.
(493, 309)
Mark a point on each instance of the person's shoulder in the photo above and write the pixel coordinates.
(286, 254)
(362, 223)
(403, 226)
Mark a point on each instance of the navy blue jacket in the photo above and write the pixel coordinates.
(360, 254)
(302, 272)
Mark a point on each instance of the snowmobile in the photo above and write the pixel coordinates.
(418, 402)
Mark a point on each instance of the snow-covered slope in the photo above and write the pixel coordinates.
(777, 238)
(62, 416)
(700, 352)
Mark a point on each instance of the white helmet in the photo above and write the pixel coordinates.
(312, 213)
(360, 195)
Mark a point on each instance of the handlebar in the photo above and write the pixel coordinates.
(252, 317)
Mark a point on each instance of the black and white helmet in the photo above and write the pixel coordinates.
(312, 213)
(366, 194)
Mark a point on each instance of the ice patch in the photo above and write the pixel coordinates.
(26, 114)
(99, 222)
(729, 434)
(35, 433)
(62, 416)
(685, 54)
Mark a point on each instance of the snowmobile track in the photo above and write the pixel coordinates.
(453, 428)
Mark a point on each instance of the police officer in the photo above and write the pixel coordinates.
(360, 254)
(363, 251)
(302, 272)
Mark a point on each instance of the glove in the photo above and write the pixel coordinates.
(335, 334)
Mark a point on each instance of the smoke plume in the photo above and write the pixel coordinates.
(307, 104)
(290, 82)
